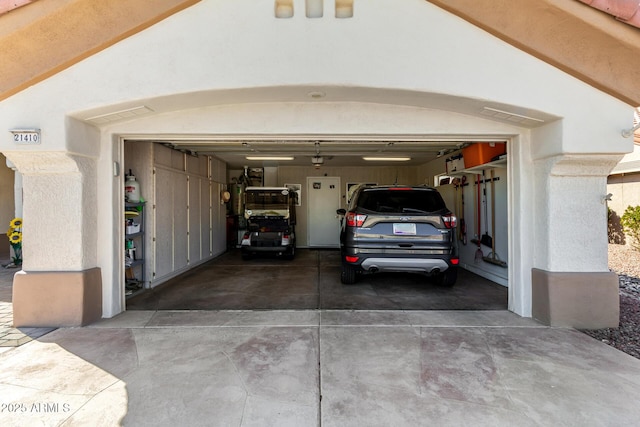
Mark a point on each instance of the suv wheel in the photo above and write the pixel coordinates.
(348, 275)
(448, 278)
(291, 253)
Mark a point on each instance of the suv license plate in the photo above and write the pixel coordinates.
(404, 228)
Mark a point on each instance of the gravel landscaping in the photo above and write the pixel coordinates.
(624, 261)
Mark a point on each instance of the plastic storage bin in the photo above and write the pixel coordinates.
(481, 153)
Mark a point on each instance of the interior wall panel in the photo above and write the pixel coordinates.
(163, 214)
(219, 222)
(195, 230)
(180, 221)
(205, 218)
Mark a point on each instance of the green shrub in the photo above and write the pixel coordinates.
(630, 221)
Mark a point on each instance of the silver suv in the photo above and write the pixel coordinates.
(398, 229)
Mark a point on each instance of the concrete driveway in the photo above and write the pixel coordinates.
(318, 368)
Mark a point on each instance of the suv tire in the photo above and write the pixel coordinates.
(448, 278)
(290, 254)
(348, 275)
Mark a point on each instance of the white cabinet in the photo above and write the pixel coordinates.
(185, 221)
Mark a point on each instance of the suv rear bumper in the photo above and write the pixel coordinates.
(257, 241)
(419, 265)
(380, 262)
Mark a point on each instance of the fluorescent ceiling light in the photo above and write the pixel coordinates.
(387, 159)
(269, 157)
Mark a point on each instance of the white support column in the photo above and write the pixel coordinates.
(571, 217)
(571, 282)
(60, 284)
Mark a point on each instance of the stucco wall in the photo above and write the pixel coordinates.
(229, 67)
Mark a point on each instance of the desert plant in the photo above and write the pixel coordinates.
(630, 221)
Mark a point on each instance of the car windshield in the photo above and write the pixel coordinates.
(269, 200)
(401, 201)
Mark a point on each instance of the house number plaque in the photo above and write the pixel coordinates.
(26, 136)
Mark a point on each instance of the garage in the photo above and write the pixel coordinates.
(183, 110)
(184, 225)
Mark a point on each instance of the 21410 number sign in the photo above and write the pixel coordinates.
(26, 136)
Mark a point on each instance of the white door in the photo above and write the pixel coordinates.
(324, 199)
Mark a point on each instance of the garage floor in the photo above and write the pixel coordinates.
(312, 281)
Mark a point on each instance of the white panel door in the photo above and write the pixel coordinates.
(205, 218)
(323, 225)
(195, 233)
(163, 211)
(218, 221)
(180, 222)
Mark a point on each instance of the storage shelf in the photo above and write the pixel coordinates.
(133, 204)
(477, 170)
(135, 280)
(136, 263)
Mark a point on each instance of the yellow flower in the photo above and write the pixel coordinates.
(15, 238)
(10, 231)
(16, 222)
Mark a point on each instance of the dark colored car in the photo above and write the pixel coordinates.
(398, 229)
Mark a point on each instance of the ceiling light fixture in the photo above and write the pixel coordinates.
(387, 159)
(317, 160)
(270, 158)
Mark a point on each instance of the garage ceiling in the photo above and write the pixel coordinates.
(335, 151)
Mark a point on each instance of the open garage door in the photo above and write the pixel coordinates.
(477, 194)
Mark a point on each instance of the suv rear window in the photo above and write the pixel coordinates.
(400, 201)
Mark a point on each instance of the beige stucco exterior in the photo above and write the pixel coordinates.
(559, 298)
(41, 39)
(407, 78)
(77, 300)
(585, 42)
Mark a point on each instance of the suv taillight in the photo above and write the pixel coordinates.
(355, 220)
(450, 221)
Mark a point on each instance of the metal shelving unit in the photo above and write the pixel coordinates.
(134, 249)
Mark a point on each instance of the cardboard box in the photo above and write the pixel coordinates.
(455, 164)
(481, 153)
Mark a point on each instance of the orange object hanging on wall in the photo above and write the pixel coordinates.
(480, 153)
